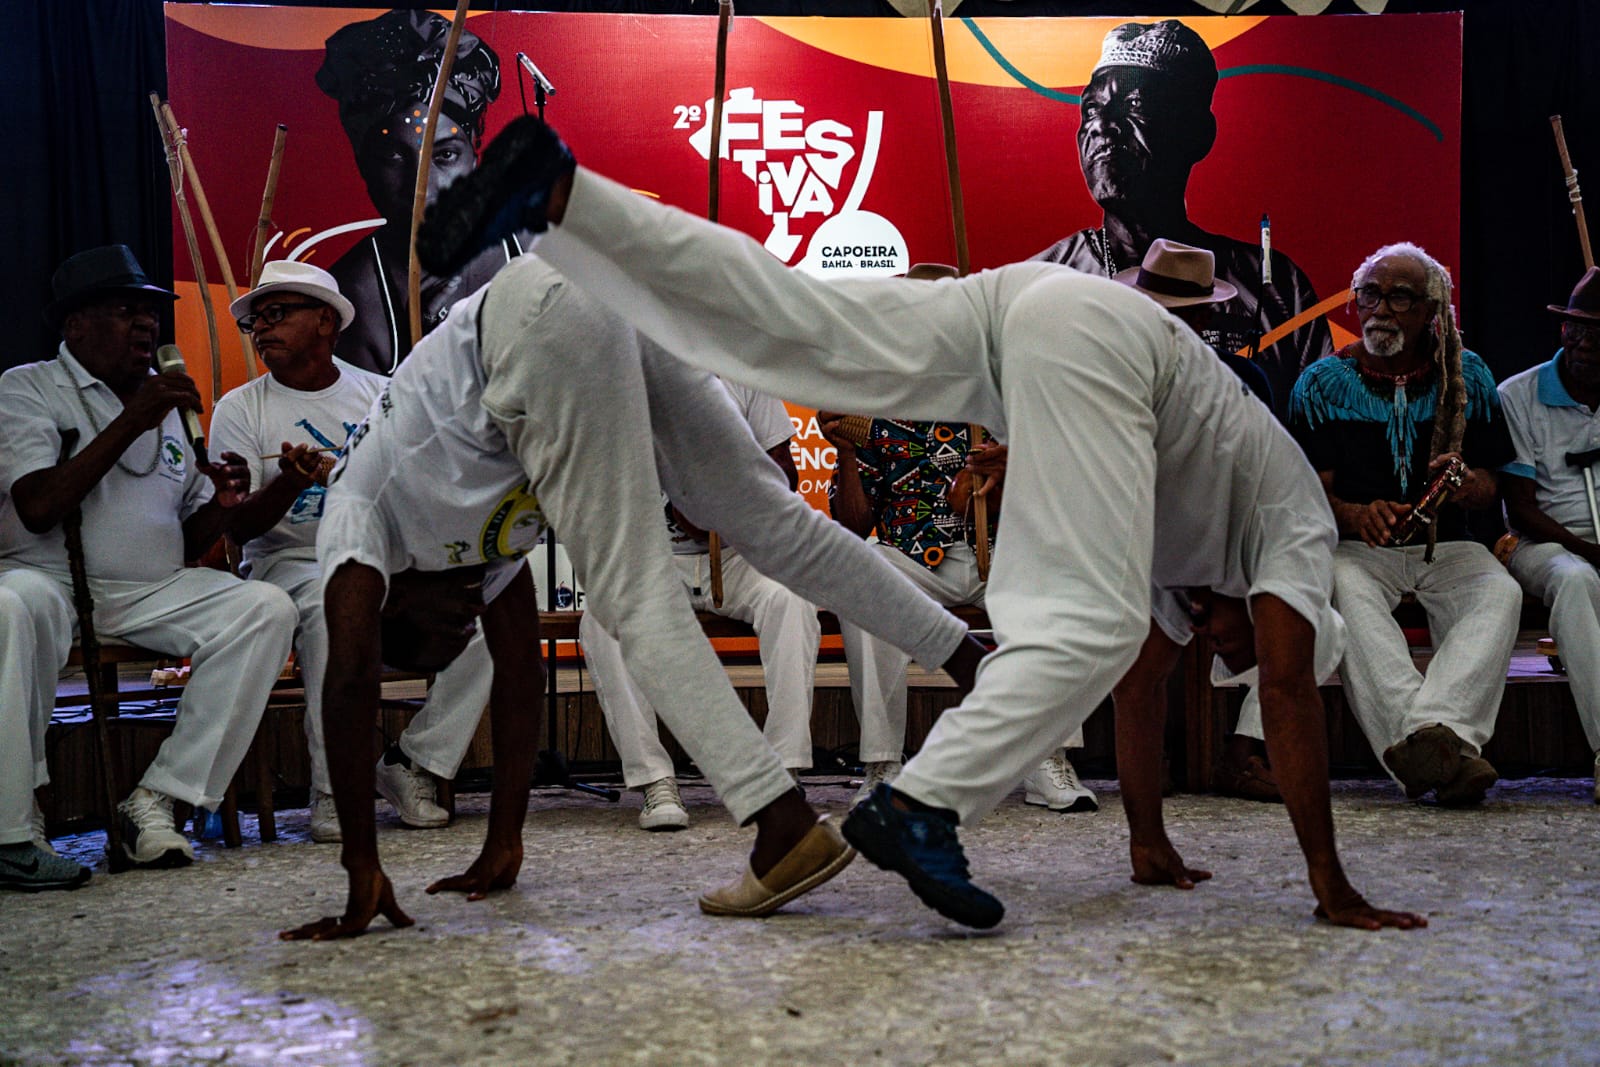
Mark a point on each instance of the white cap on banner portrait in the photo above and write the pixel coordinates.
(287, 276)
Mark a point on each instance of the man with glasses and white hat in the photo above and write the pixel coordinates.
(149, 506)
(1380, 422)
(1551, 411)
(287, 425)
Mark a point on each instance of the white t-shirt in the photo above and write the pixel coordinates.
(255, 419)
(132, 523)
(428, 480)
(1546, 423)
(769, 422)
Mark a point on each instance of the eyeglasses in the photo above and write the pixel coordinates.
(272, 314)
(1577, 334)
(1400, 300)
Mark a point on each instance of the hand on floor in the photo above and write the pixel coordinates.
(495, 868)
(371, 895)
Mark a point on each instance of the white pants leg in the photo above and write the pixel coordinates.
(1472, 606)
(630, 720)
(237, 635)
(446, 722)
(438, 736)
(788, 629)
(582, 430)
(1069, 592)
(36, 619)
(1570, 588)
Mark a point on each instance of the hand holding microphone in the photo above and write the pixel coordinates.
(169, 362)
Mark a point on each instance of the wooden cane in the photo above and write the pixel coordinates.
(180, 138)
(1574, 194)
(89, 651)
(719, 90)
(419, 199)
(258, 254)
(175, 172)
(958, 222)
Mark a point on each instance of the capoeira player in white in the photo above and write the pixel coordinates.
(533, 403)
(1133, 457)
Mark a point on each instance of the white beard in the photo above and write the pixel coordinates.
(1381, 340)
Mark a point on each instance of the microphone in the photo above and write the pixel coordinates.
(170, 361)
(538, 75)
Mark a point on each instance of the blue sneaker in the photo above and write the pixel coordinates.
(508, 191)
(27, 868)
(923, 848)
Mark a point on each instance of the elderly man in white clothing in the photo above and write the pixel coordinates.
(149, 505)
(530, 404)
(785, 623)
(1129, 444)
(302, 409)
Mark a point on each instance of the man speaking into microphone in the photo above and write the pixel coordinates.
(149, 505)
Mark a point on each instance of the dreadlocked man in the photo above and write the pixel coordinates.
(1379, 420)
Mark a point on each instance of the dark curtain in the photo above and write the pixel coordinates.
(87, 167)
(84, 165)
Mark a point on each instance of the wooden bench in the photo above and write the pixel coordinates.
(563, 625)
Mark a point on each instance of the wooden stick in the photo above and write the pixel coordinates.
(958, 210)
(175, 171)
(980, 511)
(309, 451)
(419, 199)
(258, 254)
(1574, 194)
(713, 208)
(192, 175)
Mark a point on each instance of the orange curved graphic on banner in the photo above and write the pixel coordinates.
(1341, 336)
(307, 31)
(902, 44)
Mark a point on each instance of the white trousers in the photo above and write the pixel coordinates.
(1069, 591)
(585, 429)
(36, 621)
(237, 636)
(878, 669)
(788, 630)
(438, 736)
(1570, 588)
(1473, 606)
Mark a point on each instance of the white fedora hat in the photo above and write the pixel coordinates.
(1177, 275)
(287, 276)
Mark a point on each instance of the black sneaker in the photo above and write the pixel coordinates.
(923, 848)
(508, 191)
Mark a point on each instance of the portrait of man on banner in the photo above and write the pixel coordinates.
(1146, 120)
(381, 73)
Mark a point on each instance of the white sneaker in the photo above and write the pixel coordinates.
(412, 793)
(663, 808)
(872, 776)
(41, 839)
(324, 819)
(150, 837)
(1054, 785)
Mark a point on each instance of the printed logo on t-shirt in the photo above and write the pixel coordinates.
(174, 460)
(506, 534)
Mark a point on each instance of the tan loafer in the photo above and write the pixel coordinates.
(820, 855)
(1426, 760)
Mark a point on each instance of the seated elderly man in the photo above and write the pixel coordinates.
(1551, 411)
(148, 506)
(785, 623)
(306, 406)
(1380, 422)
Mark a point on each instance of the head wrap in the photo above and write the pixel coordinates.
(1167, 47)
(376, 68)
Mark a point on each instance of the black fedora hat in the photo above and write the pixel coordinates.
(95, 272)
(1584, 303)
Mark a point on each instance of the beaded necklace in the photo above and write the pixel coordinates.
(88, 412)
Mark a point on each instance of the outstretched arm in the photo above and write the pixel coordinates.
(353, 601)
(1140, 700)
(511, 628)
(1292, 718)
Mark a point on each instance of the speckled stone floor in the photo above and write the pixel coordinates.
(599, 955)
